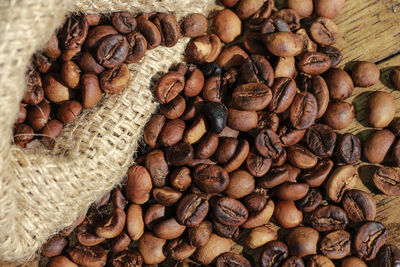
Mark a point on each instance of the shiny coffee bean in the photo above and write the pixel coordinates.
(342, 179)
(169, 86)
(280, 160)
(200, 234)
(199, 49)
(387, 180)
(273, 254)
(153, 129)
(157, 166)
(273, 178)
(359, 205)
(324, 31)
(289, 135)
(301, 157)
(96, 34)
(241, 184)
(124, 22)
(252, 42)
(207, 146)
(168, 229)
(88, 256)
(317, 175)
(348, 149)
(263, 13)
(192, 210)
(179, 249)
(339, 83)
(268, 144)
(139, 185)
(169, 29)
(303, 111)
(194, 25)
(314, 63)
(54, 246)
(336, 245)
(380, 109)
(212, 91)
(179, 154)
(284, 44)
(261, 217)
(251, 96)
(329, 218)
(242, 120)
(339, 115)
(287, 215)
(334, 54)
(309, 202)
(377, 146)
(211, 178)
(194, 82)
(90, 90)
(229, 211)
(74, 32)
(291, 191)
(112, 51)
(227, 25)
(172, 132)
(257, 165)
(389, 255)
(231, 232)
(88, 63)
(216, 115)
(293, 262)
(365, 74)
(259, 236)
(137, 47)
(257, 69)
(150, 31)
(321, 140)
(115, 80)
(255, 202)
(38, 115)
(166, 195)
(302, 241)
(231, 259)
(283, 93)
(196, 131)
(232, 56)
(318, 87)
(273, 24)
(369, 238)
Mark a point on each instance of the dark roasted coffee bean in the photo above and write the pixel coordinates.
(310, 202)
(301, 157)
(348, 149)
(231, 259)
(251, 96)
(283, 93)
(88, 64)
(359, 205)
(192, 210)
(263, 13)
(149, 31)
(293, 261)
(302, 241)
(268, 120)
(257, 165)
(329, 218)
(290, 16)
(169, 86)
(115, 80)
(387, 180)
(97, 34)
(174, 109)
(273, 178)
(321, 140)
(112, 51)
(336, 245)
(388, 256)
(303, 111)
(166, 196)
(211, 69)
(157, 166)
(169, 28)
(153, 129)
(255, 202)
(289, 135)
(179, 249)
(137, 47)
(318, 174)
(225, 230)
(124, 22)
(272, 25)
(273, 254)
(229, 211)
(280, 160)
(314, 63)
(257, 69)
(320, 261)
(127, 257)
(211, 178)
(343, 178)
(179, 154)
(88, 256)
(74, 32)
(339, 115)
(324, 31)
(369, 238)
(268, 144)
(252, 42)
(334, 54)
(318, 87)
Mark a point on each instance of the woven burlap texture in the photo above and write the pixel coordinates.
(41, 191)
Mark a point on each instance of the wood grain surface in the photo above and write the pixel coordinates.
(370, 30)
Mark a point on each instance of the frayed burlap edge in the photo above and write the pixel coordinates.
(44, 191)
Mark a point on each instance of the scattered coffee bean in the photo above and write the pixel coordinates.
(380, 109)
(377, 145)
(369, 238)
(387, 180)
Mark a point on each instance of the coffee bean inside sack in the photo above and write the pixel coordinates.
(250, 146)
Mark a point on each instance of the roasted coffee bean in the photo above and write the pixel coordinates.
(387, 180)
(290, 16)
(259, 236)
(380, 109)
(287, 215)
(251, 96)
(74, 32)
(241, 183)
(88, 64)
(196, 131)
(252, 42)
(308, 44)
(34, 93)
(231, 259)
(317, 175)
(321, 140)
(389, 255)
(88, 256)
(257, 165)
(90, 90)
(242, 120)
(336, 245)
(280, 160)
(232, 56)
(395, 78)
(255, 202)
(51, 48)
(194, 25)
(268, 144)
(359, 205)
(150, 31)
(169, 29)
(260, 218)
(320, 261)
(157, 166)
(231, 232)
(257, 69)
(217, 115)
(198, 49)
(377, 145)
(44, 64)
(137, 47)
(113, 225)
(96, 34)
(365, 74)
(70, 73)
(179, 249)
(123, 258)
(303, 111)
(86, 237)
(71, 54)
(263, 13)
(118, 199)
(291, 191)
(301, 157)
(211, 178)
(324, 31)
(273, 178)
(194, 82)
(334, 54)
(227, 25)
(67, 231)
(115, 80)
(329, 218)
(68, 111)
(369, 238)
(172, 132)
(153, 129)
(229, 211)
(318, 87)
(168, 229)
(339, 83)
(348, 149)
(290, 136)
(54, 90)
(283, 93)
(274, 24)
(210, 69)
(240, 155)
(139, 185)
(304, 9)
(112, 51)
(215, 246)
(293, 172)
(293, 262)
(273, 254)
(212, 91)
(284, 44)
(246, 8)
(155, 213)
(174, 109)
(180, 178)
(269, 120)
(207, 146)
(395, 126)
(339, 115)
(54, 246)
(200, 234)
(302, 241)
(310, 201)
(61, 261)
(166, 195)
(124, 22)
(342, 179)
(179, 154)
(192, 210)
(328, 8)
(352, 261)
(38, 115)
(314, 63)
(151, 248)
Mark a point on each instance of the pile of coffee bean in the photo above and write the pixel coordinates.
(88, 55)
(245, 139)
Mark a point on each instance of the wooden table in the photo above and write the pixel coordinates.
(370, 30)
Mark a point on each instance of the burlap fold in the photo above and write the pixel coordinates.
(43, 191)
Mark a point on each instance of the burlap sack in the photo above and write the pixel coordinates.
(43, 191)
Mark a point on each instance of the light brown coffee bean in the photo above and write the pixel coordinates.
(139, 185)
(260, 236)
(284, 44)
(380, 109)
(227, 25)
(342, 179)
(194, 25)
